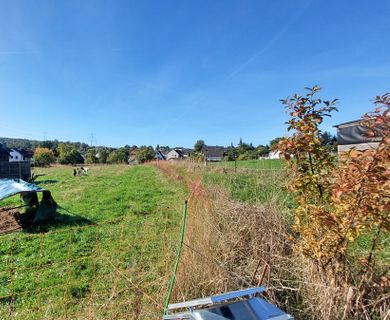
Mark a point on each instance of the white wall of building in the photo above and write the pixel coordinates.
(15, 156)
(274, 155)
(358, 146)
(172, 155)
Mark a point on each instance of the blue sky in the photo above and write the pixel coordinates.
(171, 72)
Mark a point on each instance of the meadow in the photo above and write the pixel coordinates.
(252, 181)
(240, 221)
(108, 254)
(261, 164)
(111, 250)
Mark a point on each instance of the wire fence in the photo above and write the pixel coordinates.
(100, 271)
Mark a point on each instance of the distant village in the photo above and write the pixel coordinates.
(79, 153)
(18, 155)
(102, 154)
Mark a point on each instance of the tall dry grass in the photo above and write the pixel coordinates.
(228, 243)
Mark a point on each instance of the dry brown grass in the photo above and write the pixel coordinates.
(227, 245)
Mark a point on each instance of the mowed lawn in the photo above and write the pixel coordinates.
(108, 255)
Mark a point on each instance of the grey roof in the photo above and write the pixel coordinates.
(180, 153)
(23, 152)
(186, 151)
(353, 132)
(348, 122)
(4, 150)
(161, 154)
(213, 151)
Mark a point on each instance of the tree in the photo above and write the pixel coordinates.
(43, 157)
(231, 153)
(244, 147)
(199, 145)
(164, 149)
(90, 156)
(68, 154)
(145, 154)
(47, 144)
(338, 204)
(328, 140)
(311, 173)
(196, 157)
(64, 148)
(102, 155)
(118, 156)
(19, 143)
(262, 150)
(273, 144)
(248, 155)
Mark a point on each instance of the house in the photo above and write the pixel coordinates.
(213, 153)
(352, 134)
(16, 154)
(275, 155)
(174, 154)
(4, 153)
(13, 169)
(185, 151)
(159, 155)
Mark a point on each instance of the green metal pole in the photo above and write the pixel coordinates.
(183, 224)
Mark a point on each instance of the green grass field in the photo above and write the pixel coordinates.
(263, 182)
(123, 260)
(254, 181)
(111, 250)
(262, 164)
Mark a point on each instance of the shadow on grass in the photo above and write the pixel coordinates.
(67, 218)
(48, 181)
(63, 218)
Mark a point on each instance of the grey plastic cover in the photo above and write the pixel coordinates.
(353, 135)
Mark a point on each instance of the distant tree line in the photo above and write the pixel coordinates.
(247, 151)
(54, 151)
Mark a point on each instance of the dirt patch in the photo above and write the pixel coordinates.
(12, 219)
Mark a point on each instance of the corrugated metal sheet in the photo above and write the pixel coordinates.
(10, 187)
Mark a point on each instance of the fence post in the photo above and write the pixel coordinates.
(183, 225)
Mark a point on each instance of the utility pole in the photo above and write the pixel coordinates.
(91, 139)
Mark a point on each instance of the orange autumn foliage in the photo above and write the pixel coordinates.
(336, 202)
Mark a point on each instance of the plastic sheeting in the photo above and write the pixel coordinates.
(45, 210)
(10, 187)
(354, 133)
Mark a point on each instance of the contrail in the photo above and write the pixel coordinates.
(11, 52)
(243, 65)
(270, 43)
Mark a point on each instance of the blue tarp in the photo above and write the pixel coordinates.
(45, 210)
(10, 187)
